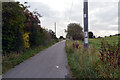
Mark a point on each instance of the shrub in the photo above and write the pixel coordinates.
(110, 53)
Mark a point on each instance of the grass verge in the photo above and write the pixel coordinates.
(87, 64)
(13, 59)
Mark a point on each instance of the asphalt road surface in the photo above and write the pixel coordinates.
(50, 63)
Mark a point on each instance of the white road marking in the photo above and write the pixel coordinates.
(57, 67)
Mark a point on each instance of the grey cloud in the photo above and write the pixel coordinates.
(43, 9)
(102, 16)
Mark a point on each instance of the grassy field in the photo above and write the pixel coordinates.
(87, 63)
(97, 42)
(13, 59)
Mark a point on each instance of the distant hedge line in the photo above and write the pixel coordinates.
(21, 28)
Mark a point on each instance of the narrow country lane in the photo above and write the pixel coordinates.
(50, 63)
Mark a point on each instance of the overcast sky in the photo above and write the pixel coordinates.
(103, 15)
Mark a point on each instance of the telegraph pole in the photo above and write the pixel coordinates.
(119, 19)
(86, 45)
(55, 28)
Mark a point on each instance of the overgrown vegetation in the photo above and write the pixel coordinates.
(88, 63)
(12, 25)
(110, 54)
(22, 34)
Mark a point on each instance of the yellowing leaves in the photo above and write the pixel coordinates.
(26, 40)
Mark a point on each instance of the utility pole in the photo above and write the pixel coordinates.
(119, 19)
(55, 28)
(86, 45)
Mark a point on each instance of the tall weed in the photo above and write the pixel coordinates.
(88, 63)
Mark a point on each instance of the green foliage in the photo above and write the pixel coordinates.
(74, 30)
(33, 36)
(38, 36)
(18, 20)
(12, 26)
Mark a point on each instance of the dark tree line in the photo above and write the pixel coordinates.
(91, 35)
(21, 28)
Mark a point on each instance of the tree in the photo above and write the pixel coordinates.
(34, 28)
(93, 36)
(21, 28)
(90, 34)
(110, 35)
(61, 37)
(12, 26)
(52, 34)
(99, 37)
(74, 30)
